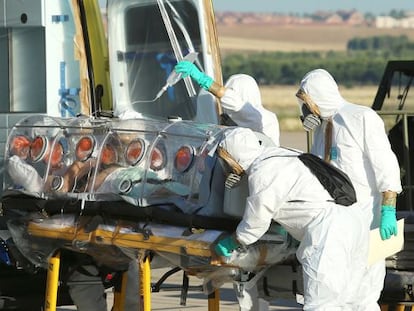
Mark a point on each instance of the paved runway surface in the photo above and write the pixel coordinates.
(296, 140)
(196, 299)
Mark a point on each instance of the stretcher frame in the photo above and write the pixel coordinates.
(134, 240)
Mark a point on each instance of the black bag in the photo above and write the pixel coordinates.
(336, 182)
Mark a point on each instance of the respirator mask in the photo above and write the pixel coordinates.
(310, 115)
(236, 171)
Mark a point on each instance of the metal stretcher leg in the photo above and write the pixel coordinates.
(145, 283)
(119, 294)
(214, 301)
(184, 289)
(52, 283)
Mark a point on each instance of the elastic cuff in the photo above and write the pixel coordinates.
(388, 208)
(238, 240)
(206, 82)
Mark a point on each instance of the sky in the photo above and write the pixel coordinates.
(376, 7)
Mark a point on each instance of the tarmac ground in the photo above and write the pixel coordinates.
(169, 297)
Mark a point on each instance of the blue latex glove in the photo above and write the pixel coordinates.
(225, 246)
(388, 225)
(187, 68)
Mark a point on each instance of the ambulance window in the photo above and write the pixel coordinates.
(145, 27)
(151, 56)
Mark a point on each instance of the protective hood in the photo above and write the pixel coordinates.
(242, 145)
(321, 87)
(247, 89)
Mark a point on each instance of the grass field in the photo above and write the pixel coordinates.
(296, 38)
(281, 99)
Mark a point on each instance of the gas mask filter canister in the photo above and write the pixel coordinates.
(310, 112)
(310, 121)
(237, 171)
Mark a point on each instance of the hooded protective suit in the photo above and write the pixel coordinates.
(361, 149)
(242, 102)
(334, 238)
(240, 99)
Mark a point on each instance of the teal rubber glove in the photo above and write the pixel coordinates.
(225, 246)
(187, 68)
(388, 225)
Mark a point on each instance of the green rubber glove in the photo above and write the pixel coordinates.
(225, 246)
(187, 68)
(388, 225)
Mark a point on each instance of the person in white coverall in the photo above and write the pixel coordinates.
(333, 238)
(240, 99)
(242, 102)
(353, 138)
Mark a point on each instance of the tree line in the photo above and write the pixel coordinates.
(362, 63)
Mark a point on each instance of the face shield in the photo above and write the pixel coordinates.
(310, 115)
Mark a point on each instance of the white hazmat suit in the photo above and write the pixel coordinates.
(242, 102)
(240, 99)
(361, 149)
(334, 238)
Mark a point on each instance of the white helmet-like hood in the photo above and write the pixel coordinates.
(243, 145)
(247, 89)
(323, 90)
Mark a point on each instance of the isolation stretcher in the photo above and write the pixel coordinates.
(116, 189)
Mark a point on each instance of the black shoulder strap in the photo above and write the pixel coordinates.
(335, 181)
